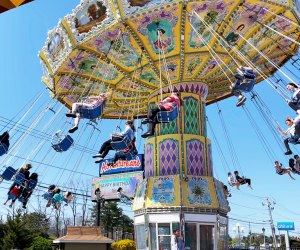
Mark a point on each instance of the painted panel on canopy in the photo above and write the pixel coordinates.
(148, 75)
(219, 75)
(131, 7)
(57, 47)
(223, 203)
(72, 84)
(90, 17)
(244, 21)
(214, 65)
(199, 192)
(163, 23)
(84, 63)
(123, 113)
(139, 198)
(130, 86)
(172, 67)
(163, 191)
(119, 46)
(265, 36)
(213, 12)
(192, 64)
(121, 94)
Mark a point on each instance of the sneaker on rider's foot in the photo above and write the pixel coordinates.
(241, 101)
(98, 161)
(145, 121)
(71, 115)
(97, 155)
(147, 134)
(72, 130)
(289, 152)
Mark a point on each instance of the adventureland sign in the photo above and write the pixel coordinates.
(136, 164)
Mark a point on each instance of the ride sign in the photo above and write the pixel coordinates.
(285, 226)
(136, 164)
(109, 185)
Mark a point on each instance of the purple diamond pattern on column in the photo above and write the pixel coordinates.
(149, 160)
(210, 160)
(168, 157)
(195, 157)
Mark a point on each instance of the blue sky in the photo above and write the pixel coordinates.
(23, 33)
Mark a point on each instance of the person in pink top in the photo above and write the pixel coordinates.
(92, 101)
(166, 104)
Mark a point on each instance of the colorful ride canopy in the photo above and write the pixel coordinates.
(119, 46)
(10, 4)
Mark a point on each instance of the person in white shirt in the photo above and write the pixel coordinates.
(233, 182)
(92, 102)
(174, 239)
(292, 133)
(294, 102)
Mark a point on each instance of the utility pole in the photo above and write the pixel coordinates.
(270, 204)
(249, 234)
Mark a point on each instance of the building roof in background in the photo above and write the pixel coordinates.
(83, 235)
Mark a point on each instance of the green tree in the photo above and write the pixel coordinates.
(40, 243)
(17, 232)
(37, 223)
(8, 241)
(112, 216)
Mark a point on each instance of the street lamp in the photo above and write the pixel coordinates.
(264, 230)
(239, 230)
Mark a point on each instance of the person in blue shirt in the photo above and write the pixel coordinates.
(106, 146)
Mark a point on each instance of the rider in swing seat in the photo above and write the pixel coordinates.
(245, 77)
(294, 102)
(166, 104)
(93, 102)
(106, 146)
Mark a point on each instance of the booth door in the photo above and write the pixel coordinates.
(199, 236)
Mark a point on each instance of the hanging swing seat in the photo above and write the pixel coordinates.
(48, 196)
(245, 85)
(245, 81)
(120, 142)
(167, 116)
(3, 149)
(246, 74)
(31, 185)
(8, 173)
(131, 154)
(19, 179)
(62, 144)
(91, 112)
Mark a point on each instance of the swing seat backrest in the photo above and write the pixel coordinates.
(21, 198)
(8, 173)
(249, 75)
(3, 149)
(47, 196)
(167, 116)
(245, 85)
(31, 185)
(121, 145)
(131, 154)
(20, 178)
(91, 112)
(64, 144)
